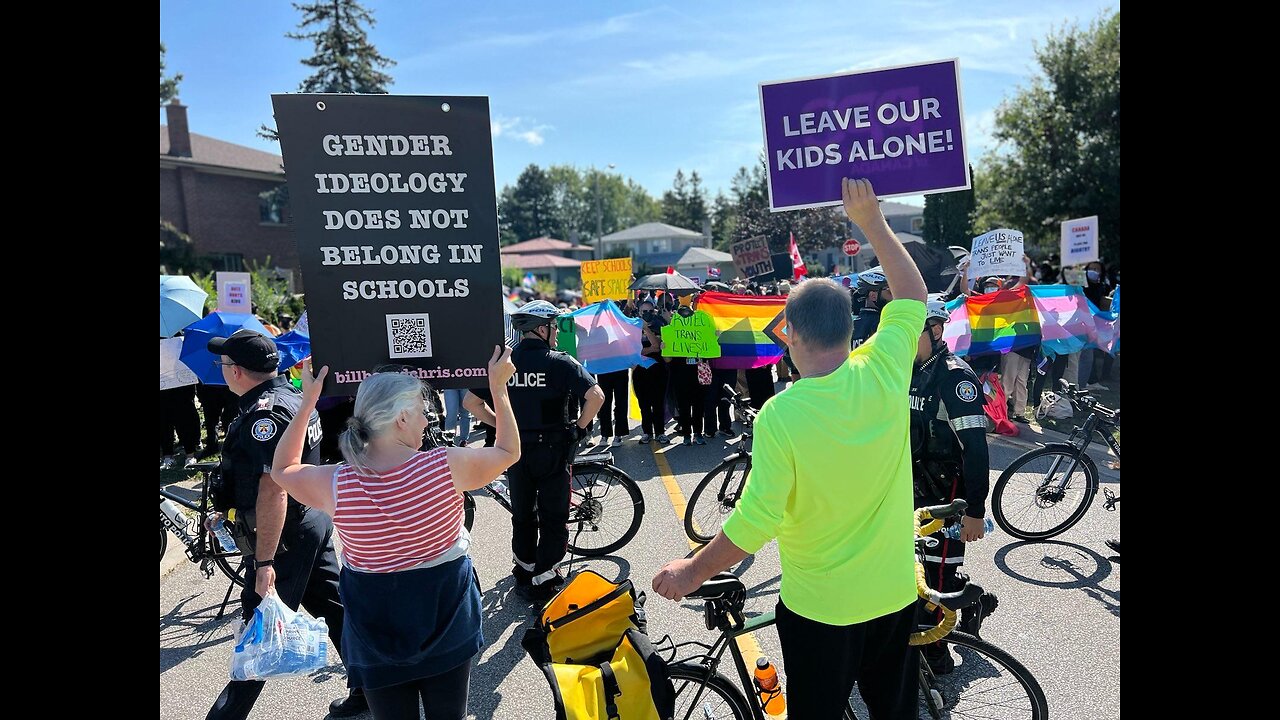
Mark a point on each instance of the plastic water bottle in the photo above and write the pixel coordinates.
(953, 531)
(180, 521)
(500, 488)
(219, 527)
(771, 696)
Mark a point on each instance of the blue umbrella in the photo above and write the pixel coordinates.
(181, 303)
(294, 347)
(195, 353)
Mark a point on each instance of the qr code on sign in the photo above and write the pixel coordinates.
(409, 336)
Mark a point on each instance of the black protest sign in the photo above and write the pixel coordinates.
(394, 213)
(751, 256)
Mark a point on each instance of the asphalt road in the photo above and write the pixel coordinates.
(1059, 605)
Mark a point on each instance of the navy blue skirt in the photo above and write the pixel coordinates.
(404, 626)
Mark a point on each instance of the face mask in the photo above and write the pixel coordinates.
(1092, 275)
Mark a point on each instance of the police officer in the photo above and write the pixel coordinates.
(545, 393)
(874, 287)
(949, 454)
(288, 547)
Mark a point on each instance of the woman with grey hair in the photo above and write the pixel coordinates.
(412, 597)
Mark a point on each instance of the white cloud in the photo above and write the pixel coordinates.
(518, 129)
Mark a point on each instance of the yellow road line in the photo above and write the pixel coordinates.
(747, 644)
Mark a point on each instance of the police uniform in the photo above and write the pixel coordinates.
(545, 392)
(865, 324)
(949, 452)
(305, 564)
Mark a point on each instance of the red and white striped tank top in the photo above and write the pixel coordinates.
(398, 519)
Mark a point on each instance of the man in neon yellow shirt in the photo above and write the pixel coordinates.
(831, 479)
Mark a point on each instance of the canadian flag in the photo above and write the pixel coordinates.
(797, 265)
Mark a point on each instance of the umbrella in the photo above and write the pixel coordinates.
(181, 303)
(716, 285)
(294, 347)
(674, 283)
(196, 355)
(936, 265)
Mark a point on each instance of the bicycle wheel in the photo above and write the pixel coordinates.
(164, 540)
(1037, 498)
(715, 497)
(987, 683)
(716, 698)
(605, 509)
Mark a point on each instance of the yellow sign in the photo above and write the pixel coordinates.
(606, 280)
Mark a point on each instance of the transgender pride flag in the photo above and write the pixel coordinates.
(1070, 322)
(608, 341)
(1059, 317)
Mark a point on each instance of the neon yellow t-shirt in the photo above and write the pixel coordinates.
(831, 479)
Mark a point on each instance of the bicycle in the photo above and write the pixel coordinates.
(606, 506)
(706, 512)
(202, 547)
(1041, 494)
(987, 682)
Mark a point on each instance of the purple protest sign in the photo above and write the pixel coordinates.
(901, 127)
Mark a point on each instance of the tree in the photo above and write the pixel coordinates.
(685, 204)
(344, 60)
(168, 86)
(1058, 155)
(529, 210)
(724, 218)
(814, 228)
(948, 217)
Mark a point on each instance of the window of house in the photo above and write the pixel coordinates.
(917, 225)
(271, 209)
(228, 262)
(658, 246)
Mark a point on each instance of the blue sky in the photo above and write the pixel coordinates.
(649, 87)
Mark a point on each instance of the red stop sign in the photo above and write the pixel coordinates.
(851, 247)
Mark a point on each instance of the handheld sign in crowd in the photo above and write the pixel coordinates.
(173, 373)
(394, 213)
(693, 336)
(234, 293)
(999, 252)
(900, 127)
(606, 280)
(751, 256)
(1079, 241)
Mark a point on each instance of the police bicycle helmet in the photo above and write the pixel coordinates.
(533, 315)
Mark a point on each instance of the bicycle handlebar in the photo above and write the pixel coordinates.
(1082, 398)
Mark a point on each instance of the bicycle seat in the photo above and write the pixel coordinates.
(604, 458)
(722, 586)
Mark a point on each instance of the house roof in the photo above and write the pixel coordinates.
(542, 245)
(650, 231)
(893, 209)
(703, 256)
(537, 261)
(209, 151)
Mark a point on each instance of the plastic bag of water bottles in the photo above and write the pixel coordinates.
(278, 641)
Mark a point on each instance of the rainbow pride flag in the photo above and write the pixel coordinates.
(1070, 322)
(607, 340)
(998, 322)
(749, 327)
